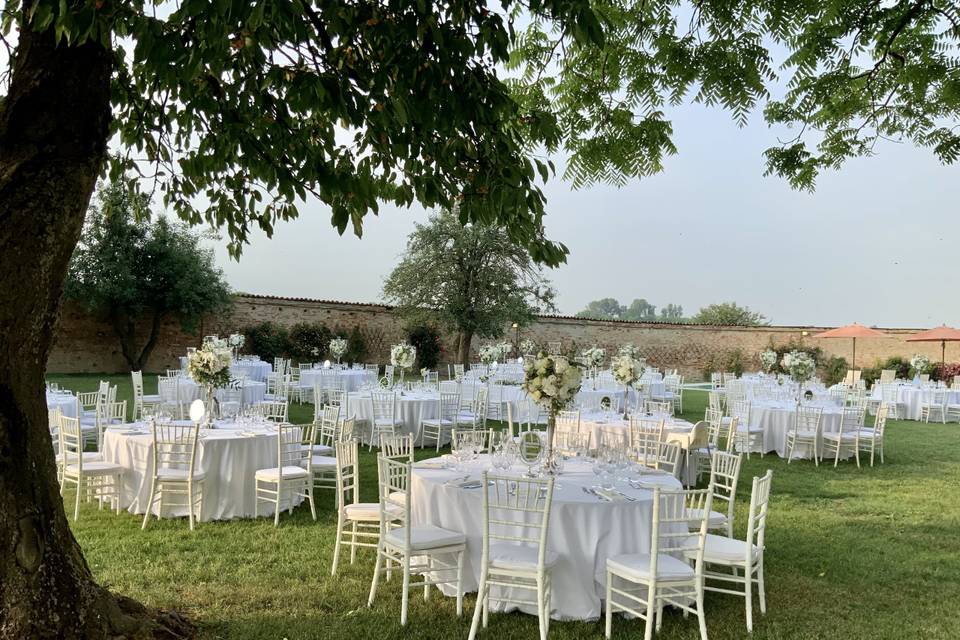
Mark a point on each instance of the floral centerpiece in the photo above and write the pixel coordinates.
(627, 371)
(552, 382)
(209, 367)
(920, 364)
(801, 367)
(488, 353)
(630, 351)
(403, 356)
(768, 359)
(338, 347)
(593, 357)
(528, 347)
(236, 342)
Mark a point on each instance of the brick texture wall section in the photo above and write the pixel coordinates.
(86, 345)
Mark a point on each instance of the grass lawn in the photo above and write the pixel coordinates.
(868, 553)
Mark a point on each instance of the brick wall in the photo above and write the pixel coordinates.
(84, 344)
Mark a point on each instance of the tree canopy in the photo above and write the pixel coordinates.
(130, 269)
(729, 313)
(471, 279)
(638, 311)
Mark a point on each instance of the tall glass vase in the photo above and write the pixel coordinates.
(212, 406)
(626, 401)
(551, 464)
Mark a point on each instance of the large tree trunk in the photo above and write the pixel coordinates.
(126, 331)
(464, 338)
(54, 124)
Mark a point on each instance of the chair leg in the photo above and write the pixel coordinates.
(76, 505)
(146, 512)
(701, 618)
(761, 592)
(748, 597)
(541, 614)
(405, 597)
(481, 594)
(353, 541)
(336, 546)
(313, 507)
(651, 612)
(190, 503)
(460, 583)
(376, 577)
(608, 614)
(276, 510)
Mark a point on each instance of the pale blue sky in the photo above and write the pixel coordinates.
(876, 243)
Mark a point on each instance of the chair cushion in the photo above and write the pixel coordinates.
(324, 463)
(846, 437)
(96, 468)
(504, 555)
(289, 473)
(802, 434)
(88, 456)
(714, 520)
(368, 511)
(724, 550)
(179, 475)
(151, 399)
(386, 422)
(398, 498)
(425, 537)
(742, 429)
(636, 567)
(442, 422)
(321, 449)
(867, 433)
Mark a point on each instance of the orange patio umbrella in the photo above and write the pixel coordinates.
(852, 331)
(942, 334)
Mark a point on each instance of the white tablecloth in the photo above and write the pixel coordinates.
(776, 419)
(229, 456)
(251, 393)
(412, 407)
(67, 403)
(352, 379)
(910, 397)
(584, 530)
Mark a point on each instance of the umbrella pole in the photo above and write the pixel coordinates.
(854, 366)
(943, 352)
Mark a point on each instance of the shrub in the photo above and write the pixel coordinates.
(834, 369)
(356, 346)
(732, 361)
(900, 364)
(267, 340)
(309, 342)
(945, 372)
(427, 341)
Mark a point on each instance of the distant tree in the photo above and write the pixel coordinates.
(472, 280)
(729, 313)
(128, 269)
(640, 310)
(603, 309)
(671, 312)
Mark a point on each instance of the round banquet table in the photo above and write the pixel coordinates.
(229, 455)
(352, 379)
(255, 370)
(776, 418)
(251, 392)
(909, 399)
(412, 407)
(66, 402)
(584, 530)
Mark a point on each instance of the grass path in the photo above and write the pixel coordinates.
(869, 553)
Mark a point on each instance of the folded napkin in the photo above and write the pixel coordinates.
(609, 495)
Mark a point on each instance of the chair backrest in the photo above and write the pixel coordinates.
(700, 435)
(290, 449)
(741, 409)
(399, 447)
(576, 442)
(759, 503)
(715, 401)
(348, 474)
(646, 434)
(675, 514)
(655, 408)
(273, 410)
(724, 476)
(568, 421)
(517, 510)
(807, 419)
(174, 447)
(393, 477)
(852, 420)
(880, 423)
(71, 442)
(137, 378)
(373, 369)
(668, 458)
(460, 438)
(388, 373)
(169, 390)
(718, 431)
(448, 405)
(888, 375)
(384, 405)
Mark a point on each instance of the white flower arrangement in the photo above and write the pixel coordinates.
(552, 381)
(799, 365)
(236, 340)
(424, 372)
(504, 349)
(920, 363)
(210, 364)
(528, 346)
(488, 353)
(626, 369)
(768, 359)
(630, 351)
(338, 347)
(403, 355)
(593, 357)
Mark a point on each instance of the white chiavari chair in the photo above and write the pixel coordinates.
(141, 400)
(724, 476)
(384, 421)
(568, 421)
(515, 557)
(847, 439)
(890, 394)
(641, 584)
(933, 405)
(439, 428)
(668, 458)
(871, 440)
(95, 477)
(646, 434)
(744, 556)
(230, 400)
(476, 416)
(291, 478)
(171, 397)
(274, 411)
(422, 551)
(324, 465)
(174, 481)
(805, 430)
(747, 436)
(572, 443)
